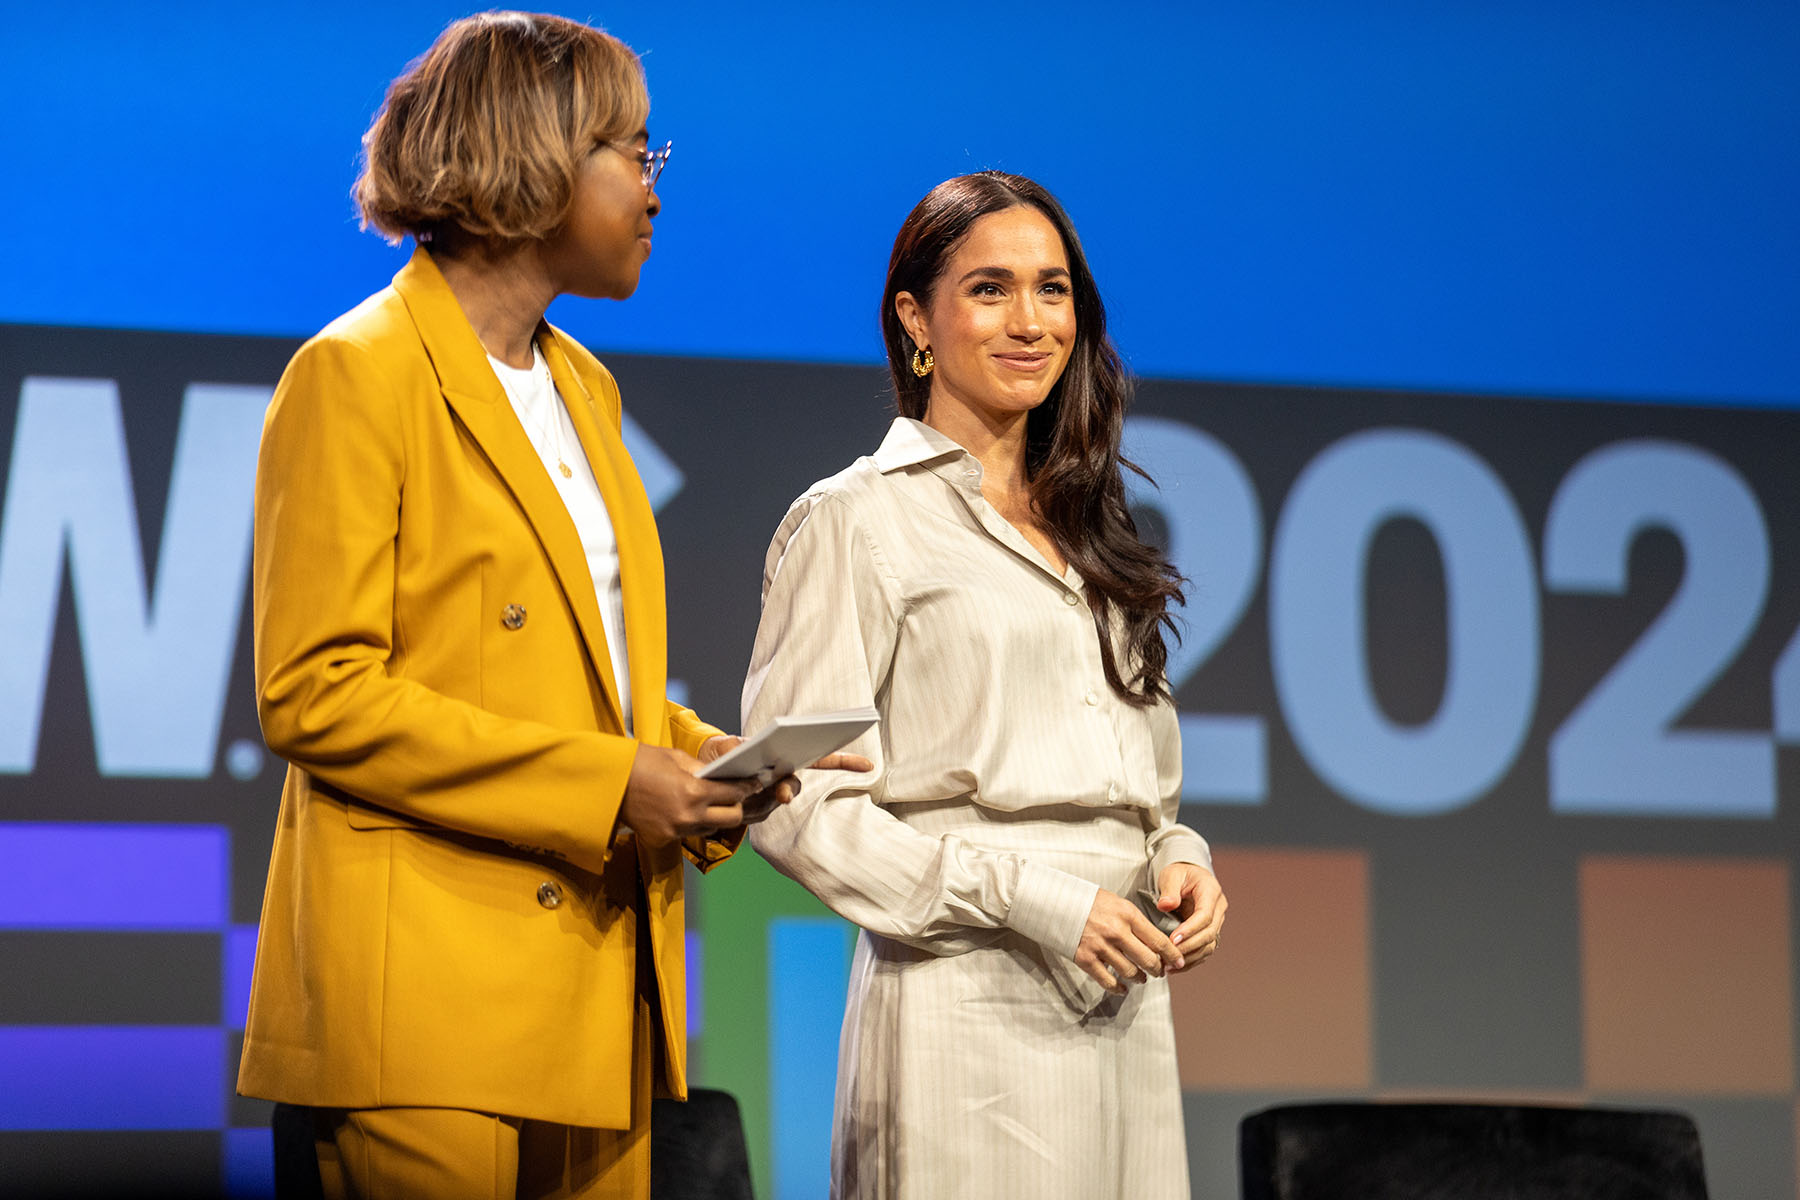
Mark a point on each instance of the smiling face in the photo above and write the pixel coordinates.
(602, 245)
(1001, 320)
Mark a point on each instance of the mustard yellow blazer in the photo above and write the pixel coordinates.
(449, 919)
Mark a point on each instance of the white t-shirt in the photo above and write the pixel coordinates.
(545, 419)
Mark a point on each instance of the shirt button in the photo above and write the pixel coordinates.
(549, 894)
(513, 616)
(1092, 699)
(1112, 791)
(1071, 598)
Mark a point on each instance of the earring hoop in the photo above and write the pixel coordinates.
(922, 363)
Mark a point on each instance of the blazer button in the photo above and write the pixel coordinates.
(549, 894)
(513, 616)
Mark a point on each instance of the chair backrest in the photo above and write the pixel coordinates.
(1347, 1151)
(697, 1149)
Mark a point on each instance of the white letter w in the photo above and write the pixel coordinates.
(156, 668)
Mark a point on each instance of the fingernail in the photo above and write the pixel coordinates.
(1180, 962)
(1176, 940)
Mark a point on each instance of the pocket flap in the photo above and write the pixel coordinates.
(369, 816)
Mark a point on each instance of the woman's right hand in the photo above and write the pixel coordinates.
(666, 801)
(1119, 944)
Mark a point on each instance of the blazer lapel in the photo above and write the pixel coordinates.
(634, 530)
(475, 395)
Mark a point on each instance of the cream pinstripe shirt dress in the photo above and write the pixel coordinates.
(1010, 783)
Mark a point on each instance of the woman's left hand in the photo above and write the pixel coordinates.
(1192, 893)
(781, 791)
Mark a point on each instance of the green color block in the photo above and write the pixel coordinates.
(732, 908)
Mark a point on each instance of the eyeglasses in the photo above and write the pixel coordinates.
(651, 161)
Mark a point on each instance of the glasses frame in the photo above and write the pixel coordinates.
(651, 162)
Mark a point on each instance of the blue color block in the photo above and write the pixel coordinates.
(168, 878)
(809, 964)
(249, 1164)
(112, 1077)
(1552, 197)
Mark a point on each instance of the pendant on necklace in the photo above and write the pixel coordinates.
(564, 468)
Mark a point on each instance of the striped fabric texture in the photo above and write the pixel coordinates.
(1011, 783)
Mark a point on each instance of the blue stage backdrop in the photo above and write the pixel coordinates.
(1472, 384)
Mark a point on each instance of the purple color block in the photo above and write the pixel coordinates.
(696, 994)
(114, 877)
(112, 1077)
(239, 963)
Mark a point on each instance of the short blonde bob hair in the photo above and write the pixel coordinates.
(487, 130)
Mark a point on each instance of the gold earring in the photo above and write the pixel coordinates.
(922, 363)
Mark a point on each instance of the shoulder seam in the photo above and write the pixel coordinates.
(890, 580)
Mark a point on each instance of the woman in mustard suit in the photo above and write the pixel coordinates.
(470, 958)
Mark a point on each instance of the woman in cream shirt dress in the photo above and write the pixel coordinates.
(979, 582)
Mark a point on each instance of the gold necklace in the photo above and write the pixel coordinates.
(542, 371)
(548, 388)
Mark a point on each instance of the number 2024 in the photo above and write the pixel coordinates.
(1617, 752)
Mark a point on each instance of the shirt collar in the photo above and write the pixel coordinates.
(913, 443)
(909, 443)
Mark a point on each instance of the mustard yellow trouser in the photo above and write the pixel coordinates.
(453, 1154)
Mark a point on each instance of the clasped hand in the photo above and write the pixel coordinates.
(666, 800)
(1119, 945)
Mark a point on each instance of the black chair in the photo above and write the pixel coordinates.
(1468, 1152)
(697, 1150)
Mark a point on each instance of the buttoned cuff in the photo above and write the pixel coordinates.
(708, 852)
(1178, 845)
(1051, 907)
(687, 732)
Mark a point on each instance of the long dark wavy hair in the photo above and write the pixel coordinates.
(1072, 459)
